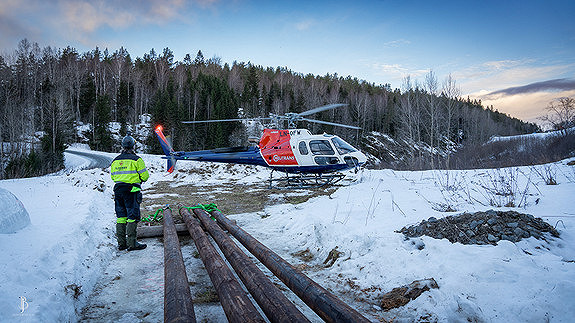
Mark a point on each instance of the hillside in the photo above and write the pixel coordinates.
(97, 89)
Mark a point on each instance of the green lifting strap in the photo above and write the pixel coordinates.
(158, 216)
(206, 207)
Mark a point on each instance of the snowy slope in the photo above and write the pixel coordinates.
(538, 136)
(71, 241)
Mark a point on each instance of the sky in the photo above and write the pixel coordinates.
(515, 55)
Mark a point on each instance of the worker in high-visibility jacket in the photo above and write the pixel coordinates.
(128, 171)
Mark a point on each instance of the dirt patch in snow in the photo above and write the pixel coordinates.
(483, 228)
(229, 199)
(400, 296)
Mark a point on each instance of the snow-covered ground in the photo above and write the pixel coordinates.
(50, 268)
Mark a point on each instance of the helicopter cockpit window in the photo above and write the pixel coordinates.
(321, 147)
(342, 146)
(303, 148)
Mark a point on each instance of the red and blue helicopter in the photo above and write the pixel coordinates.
(305, 159)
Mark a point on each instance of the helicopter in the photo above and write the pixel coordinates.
(306, 160)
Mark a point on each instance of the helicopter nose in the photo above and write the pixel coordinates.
(361, 157)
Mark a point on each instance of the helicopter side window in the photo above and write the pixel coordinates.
(326, 160)
(303, 148)
(342, 146)
(321, 147)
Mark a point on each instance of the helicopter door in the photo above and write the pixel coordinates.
(303, 155)
(323, 152)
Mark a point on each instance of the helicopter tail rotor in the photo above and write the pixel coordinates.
(167, 148)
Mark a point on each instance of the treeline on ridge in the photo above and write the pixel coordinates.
(47, 92)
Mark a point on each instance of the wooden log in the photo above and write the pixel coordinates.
(234, 299)
(321, 301)
(271, 300)
(178, 306)
(156, 231)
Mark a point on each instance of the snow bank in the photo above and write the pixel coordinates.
(50, 267)
(13, 215)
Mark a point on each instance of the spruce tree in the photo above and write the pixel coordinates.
(102, 140)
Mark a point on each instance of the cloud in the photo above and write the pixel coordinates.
(82, 20)
(397, 43)
(304, 24)
(528, 106)
(90, 16)
(10, 27)
(397, 71)
(527, 102)
(555, 85)
(501, 65)
(492, 76)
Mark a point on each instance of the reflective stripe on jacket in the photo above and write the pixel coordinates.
(130, 169)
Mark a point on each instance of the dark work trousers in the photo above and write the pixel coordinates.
(127, 204)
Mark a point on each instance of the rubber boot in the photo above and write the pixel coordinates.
(132, 243)
(121, 236)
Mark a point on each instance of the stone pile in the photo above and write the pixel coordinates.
(482, 227)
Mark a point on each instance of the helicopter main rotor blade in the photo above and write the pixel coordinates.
(225, 120)
(331, 123)
(322, 108)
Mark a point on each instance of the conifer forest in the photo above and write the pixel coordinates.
(45, 93)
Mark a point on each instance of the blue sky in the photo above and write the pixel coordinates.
(487, 46)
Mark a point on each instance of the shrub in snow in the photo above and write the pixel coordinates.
(13, 215)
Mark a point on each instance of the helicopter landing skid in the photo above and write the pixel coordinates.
(304, 180)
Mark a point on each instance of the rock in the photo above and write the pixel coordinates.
(474, 224)
(491, 238)
(419, 244)
(518, 232)
(470, 233)
(432, 220)
(512, 224)
(492, 221)
(333, 255)
(491, 213)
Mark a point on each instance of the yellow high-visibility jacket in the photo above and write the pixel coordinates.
(129, 169)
